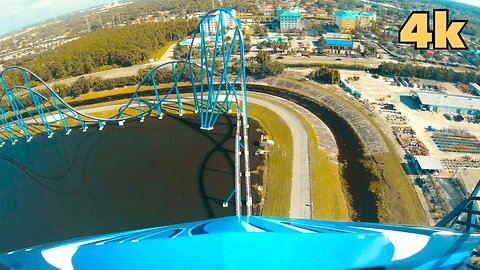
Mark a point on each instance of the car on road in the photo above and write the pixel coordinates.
(338, 59)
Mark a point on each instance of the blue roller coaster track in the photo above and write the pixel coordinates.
(240, 242)
(214, 90)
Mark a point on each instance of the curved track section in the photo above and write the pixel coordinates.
(217, 85)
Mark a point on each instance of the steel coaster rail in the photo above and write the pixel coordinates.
(206, 96)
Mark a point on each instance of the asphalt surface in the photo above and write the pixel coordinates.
(368, 62)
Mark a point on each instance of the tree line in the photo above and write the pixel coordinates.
(431, 73)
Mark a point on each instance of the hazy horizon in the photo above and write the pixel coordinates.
(23, 13)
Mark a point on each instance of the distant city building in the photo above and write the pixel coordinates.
(438, 102)
(290, 19)
(210, 22)
(348, 20)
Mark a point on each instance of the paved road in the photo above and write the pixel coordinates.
(368, 62)
(168, 56)
(300, 200)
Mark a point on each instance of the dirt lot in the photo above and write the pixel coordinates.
(375, 90)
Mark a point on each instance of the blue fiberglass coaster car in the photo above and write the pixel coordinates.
(250, 242)
(257, 243)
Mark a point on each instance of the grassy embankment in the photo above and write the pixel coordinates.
(325, 176)
(156, 55)
(397, 199)
(277, 176)
(326, 183)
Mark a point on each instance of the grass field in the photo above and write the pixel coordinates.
(157, 54)
(277, 179)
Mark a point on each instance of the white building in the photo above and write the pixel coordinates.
(210, 22)
(290, 19)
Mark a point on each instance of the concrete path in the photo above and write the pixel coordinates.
(300, 200)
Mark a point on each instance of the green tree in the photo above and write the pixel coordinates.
(262, 66)
(325, 74)
(260, 30)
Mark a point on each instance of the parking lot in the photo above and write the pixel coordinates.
(382, 91)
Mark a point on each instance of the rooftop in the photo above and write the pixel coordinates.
(330, 35)
(290, 14)
(429, 163)
(339, 42)
(446, 100)
(348, 14)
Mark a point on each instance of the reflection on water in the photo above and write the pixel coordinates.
(136, 176)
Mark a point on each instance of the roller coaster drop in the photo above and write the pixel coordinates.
(232, 242)
(214, 92)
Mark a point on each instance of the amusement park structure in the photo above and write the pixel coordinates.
(243, 241)
(214, 90)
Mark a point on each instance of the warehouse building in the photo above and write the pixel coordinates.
(426, 165)
(439, 102)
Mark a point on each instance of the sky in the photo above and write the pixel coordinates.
(15, 14)
(470, 2)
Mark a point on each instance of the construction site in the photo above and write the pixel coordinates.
(436, 126)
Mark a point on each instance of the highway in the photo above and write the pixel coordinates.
(368, 62)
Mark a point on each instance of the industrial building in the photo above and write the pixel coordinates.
(440, 102)
(348, 20)
(426, 165)
(290, 19)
